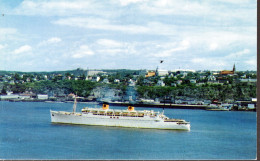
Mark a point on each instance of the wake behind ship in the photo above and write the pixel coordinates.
(123, 118)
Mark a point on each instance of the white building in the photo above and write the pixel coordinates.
(131, 82)
(95, 72)
(162, 72)
(116, 81)
(249, 80)
(212, 78)
(160, 83)
(179, 82)
(193, 81)
(96, 79)
(183, 70)
(42, 96)
(11, 96)
(105, 80)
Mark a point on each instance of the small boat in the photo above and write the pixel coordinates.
(213, 107)
(129, 117)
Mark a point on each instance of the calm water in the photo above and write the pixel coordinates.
(26, 133)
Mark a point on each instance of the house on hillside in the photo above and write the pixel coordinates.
(150, 74)
(160, 83)
(105, 80)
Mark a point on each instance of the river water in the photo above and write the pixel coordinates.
(27, 133)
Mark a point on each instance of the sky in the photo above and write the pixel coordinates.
(56, 35)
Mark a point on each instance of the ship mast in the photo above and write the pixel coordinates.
(75, 104)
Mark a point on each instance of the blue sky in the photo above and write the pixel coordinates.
(127, 34)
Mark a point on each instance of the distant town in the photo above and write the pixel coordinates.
(214, 90)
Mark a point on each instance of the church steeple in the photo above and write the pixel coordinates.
(234, 68)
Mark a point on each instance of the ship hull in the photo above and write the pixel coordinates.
(119, 121)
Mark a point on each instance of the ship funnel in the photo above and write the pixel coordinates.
(105, 107)
(131, 108)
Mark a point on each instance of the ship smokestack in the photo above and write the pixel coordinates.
(105, 106)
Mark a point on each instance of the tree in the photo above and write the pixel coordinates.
(140, 81)
(3, 91)
(17, 77)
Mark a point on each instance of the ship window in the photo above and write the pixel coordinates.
(52, 114)
(111, 117)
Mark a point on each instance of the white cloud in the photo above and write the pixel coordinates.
(183, 45)
(100, 24)
(111, 52)
(174, 7)
(56, 8)
(239, 54)
(112, 47)
(251, 62)
(109, 43)
(5, 31)
(217, 11)
(130, 29)
(52, 40)
(220, 38)
(153, 27)
(2, 46)
(210, 38)
(213, 46)
(235, 1)
(127, 2)
(209, 63)
(23, 49)
(83, 51)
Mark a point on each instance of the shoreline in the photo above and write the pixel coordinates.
(153, 105)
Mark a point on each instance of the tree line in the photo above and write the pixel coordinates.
(231, 92)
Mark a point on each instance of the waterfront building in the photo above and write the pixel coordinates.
(11, 96)
(42, 96)
(26, 95)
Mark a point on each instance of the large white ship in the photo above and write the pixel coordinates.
(122, 118)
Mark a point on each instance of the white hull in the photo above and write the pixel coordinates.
(121, 121)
